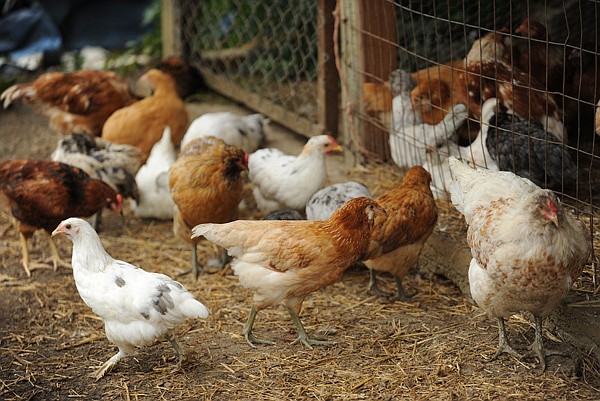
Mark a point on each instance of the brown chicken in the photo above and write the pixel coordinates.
(533, 54)
(206, 185)
(142, 123)
(411, 217)
(77, 102)
(188, 79)
(285, 261)
(42, 193)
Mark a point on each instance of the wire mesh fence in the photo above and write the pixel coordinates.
(505, 85)
(262, 53)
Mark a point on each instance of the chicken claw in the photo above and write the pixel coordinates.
(503, 345)
(250, 338)
(302, 336)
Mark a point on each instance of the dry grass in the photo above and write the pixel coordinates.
(434, 348)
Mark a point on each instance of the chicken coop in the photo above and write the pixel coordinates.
(503, 85)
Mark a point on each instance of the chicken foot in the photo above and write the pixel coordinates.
(400, 294)
(178, 350)
(56, 259)
(537, 347)
(108, 365)
(250, 338)
(302, 336)
(503, 344)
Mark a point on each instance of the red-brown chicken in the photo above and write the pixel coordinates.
(77, 102)
(285, 261)
(142, 123)
(206, 186)
(42, 193)
(398, 242)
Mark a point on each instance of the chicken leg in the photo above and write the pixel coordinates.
(180, 353)
(400, 294)
(250, 338)
(503, 344)
(56, 259)
(302, 336)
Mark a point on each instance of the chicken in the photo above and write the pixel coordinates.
(535, 54)
(152, 180)
(287, 182)
(409, 145)
(246, 132)
(517, 92)
(526, 148)
(398, 242)
(492, 46)
(285, 261)
(329, 199)
(142, 123)
(527, 248)
(285, 214)
(403, 115)
(136, 306)
(114, 164)
(206, 185)
(41, 193)
(78, 102)
(188, 79)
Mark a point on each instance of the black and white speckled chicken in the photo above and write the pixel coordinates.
(114, 164)
(329, 199)
(527, 149)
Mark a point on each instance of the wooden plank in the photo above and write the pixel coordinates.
(328, 87)
(275, 112)
(377, 59)
(170, 28)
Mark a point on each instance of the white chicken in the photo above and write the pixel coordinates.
(246, 132)
(327, 200)
(287, 182)
(137, 307)
(527, 248)
(403, 114)
(476, 154)
(153, 181)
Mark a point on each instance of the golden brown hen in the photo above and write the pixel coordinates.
(77, 102)
(142, 123)
(206, 186)
(42, 193)
(285, 261)
(412, 215)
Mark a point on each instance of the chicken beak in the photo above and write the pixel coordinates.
(58, 230)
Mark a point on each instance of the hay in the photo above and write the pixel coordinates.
(434, 348)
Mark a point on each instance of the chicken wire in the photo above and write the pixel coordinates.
(262, 53)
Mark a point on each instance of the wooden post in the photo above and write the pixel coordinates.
(328, 81)
(170, 28)
(370, 55)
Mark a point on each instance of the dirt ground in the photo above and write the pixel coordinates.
(434, 348)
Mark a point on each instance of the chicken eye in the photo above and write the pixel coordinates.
(68, 226)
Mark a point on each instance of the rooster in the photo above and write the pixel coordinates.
(41, 193)
(206, 185)
(137, 306)
(246, 132)
(285, 261)
(287, 182)
(398, 242)
(527, 248)
(78, 102)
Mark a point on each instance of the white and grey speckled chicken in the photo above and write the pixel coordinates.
(403, 115)
(327, 200)
(527, 248)
(246, 132)
(112, 163)
(152, 181)
(137, 306)
(287, 182)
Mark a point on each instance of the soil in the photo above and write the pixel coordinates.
(436, 347)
